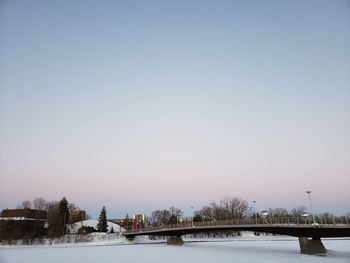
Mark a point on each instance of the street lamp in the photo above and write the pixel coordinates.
(192, 216)
(256, 219)
(310, 204)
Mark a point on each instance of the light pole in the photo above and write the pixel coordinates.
(256, 219)
(192, 216)
(310, 204)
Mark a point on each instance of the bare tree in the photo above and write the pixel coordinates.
(160, 217)
(54, 219)
(206, 212)
(298, 211)
(229, 208)
(234, 207)
(175, 214)
(175, 211)
(26, 204)
(326, 218)
(217, 211)
(281, 212)
(40, 203)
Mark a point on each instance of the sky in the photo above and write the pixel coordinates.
(142, 105)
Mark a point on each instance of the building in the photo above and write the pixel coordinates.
(23, 223)
(76, 215)
(139, 221)
(30, 215)
(124, 223)
(136, 222)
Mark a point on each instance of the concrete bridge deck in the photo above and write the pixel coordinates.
(319, 231)
(309, 234)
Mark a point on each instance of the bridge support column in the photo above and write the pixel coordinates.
(130, 238)
(312, 246)
(174, 240)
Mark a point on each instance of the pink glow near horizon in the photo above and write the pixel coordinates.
(187, 190)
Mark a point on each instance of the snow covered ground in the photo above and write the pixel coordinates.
(73, 228)
(239, 250)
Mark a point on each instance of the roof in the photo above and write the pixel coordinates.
(24, 213)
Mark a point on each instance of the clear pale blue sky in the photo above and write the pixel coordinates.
(139, 105)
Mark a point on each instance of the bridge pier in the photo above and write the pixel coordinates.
(312, 246)
(130, 238)
(174, 240)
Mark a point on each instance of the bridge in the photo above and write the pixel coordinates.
(309, 233)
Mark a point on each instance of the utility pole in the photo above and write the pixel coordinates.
(192, 216)
(255, 215)
(310, 204)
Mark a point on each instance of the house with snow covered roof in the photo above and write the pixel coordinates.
(29, 216)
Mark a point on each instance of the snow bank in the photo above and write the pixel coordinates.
(72, 238)
(93, 239)
(73, 228)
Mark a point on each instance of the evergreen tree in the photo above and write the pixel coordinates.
(102, 221)
(63, 213)
(112, 231)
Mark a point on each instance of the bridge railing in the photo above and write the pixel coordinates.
(250, 222)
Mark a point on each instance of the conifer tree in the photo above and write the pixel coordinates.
(64, 213)
(102, 221)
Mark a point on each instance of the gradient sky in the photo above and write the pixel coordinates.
(140, 105)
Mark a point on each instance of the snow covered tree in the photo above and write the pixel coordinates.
(102, 221)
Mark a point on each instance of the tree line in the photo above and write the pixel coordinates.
(58, 217)
(232, 207)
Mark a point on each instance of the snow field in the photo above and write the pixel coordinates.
(238, 251)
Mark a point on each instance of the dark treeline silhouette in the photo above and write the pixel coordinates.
(227, 208)
(165, 216)
(58, 214)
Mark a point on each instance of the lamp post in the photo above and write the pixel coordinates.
(256, 219)
(192, 216)
(310, 204)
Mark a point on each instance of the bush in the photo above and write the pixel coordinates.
(27, 230)
(84, 230)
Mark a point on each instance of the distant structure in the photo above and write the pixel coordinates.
(136, 222)
(76, 215)
(126, 223)
(33, 216)
(22, 223)
(139, 221)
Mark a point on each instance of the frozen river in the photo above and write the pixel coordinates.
(282, 250)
